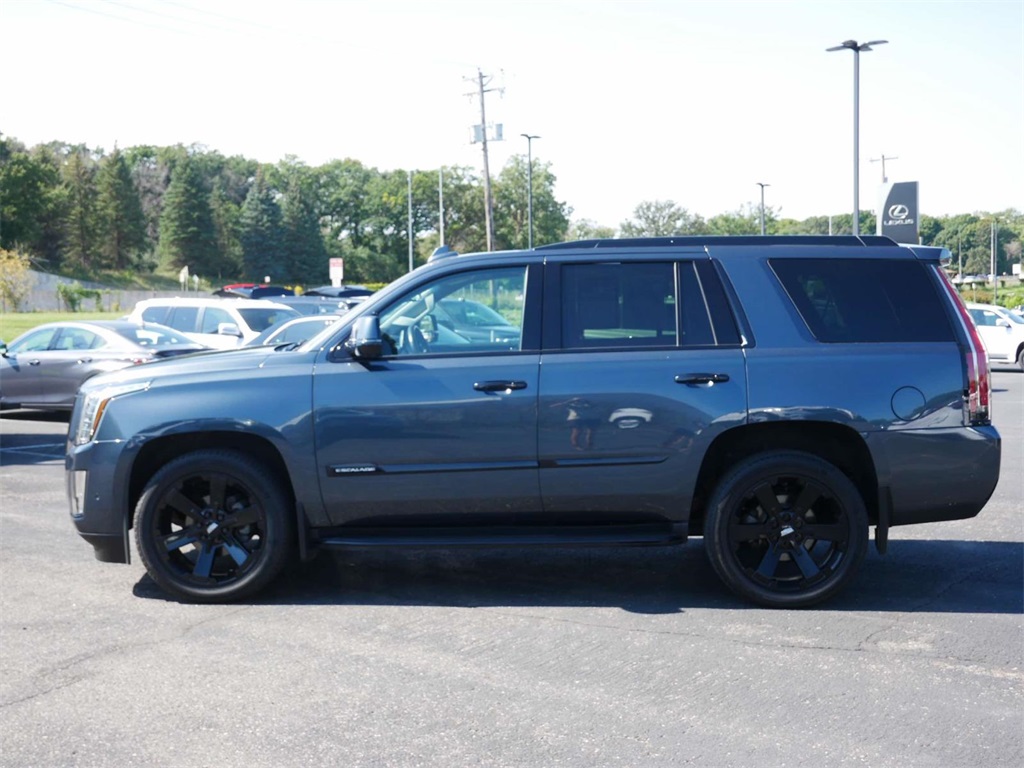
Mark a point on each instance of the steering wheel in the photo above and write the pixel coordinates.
(413, 341)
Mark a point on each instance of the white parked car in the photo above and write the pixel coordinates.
(1002, 331)
(215, 322)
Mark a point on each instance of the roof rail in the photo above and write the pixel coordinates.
(709, 240)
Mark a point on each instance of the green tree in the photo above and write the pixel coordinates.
(661, 218)
(261, 233)
(122, 223)
(81, 223)
(585, 229)
(31, 215)
(511, 206)
(226, 224)
(187, 233)
(304, 251)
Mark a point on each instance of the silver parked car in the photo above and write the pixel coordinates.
(44, 367)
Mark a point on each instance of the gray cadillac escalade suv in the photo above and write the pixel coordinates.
(777, 396)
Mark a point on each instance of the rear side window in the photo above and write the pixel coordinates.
(183, 318)
(655, 304)
(156, 314)
(865, 300)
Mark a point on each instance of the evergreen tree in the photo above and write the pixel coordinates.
(121, 220)
(261, 233)
(187, 234)
(304, 250)
(80, 222)
(225, 221)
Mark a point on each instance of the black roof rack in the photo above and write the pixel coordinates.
(709, 240)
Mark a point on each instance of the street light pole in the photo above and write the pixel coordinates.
(529, 186)
(856, 47)
(762, 185)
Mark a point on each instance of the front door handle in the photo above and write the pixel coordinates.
(702, 378)
(34, 362)
(498, 386)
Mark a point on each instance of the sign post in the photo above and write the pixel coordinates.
(337, 267)
(898, 215)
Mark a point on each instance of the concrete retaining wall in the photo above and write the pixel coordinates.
(43, 296)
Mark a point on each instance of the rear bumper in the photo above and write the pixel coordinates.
(939, 474)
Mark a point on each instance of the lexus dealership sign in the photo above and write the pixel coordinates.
(898, 215)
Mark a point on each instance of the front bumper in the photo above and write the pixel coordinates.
(93, 481)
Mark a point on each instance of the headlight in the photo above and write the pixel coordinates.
(95, 404)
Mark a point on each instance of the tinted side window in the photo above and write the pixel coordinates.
(183, 318)
(155, 315)
(865, 300)
(619, 305)
(214, 316)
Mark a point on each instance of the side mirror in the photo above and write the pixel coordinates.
(3, 348)
(365, 342)
(228, 329)
(1003, 323)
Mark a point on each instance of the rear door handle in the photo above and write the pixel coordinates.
(498, 386)
(702, 378)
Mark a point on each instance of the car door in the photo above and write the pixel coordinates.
(21, 367)
(995, 333)
(75, 356)
(441, 429)
(638, 376)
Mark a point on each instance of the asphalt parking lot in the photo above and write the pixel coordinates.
(627, 657)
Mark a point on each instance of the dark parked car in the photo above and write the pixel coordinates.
(316, 305)
(44, 367)
(339, 291)
(778, 396)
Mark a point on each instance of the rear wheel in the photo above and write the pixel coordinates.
(213, 526)
(786, 530)
(1020, 359)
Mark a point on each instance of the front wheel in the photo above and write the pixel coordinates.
(213, 526)
(786, 530)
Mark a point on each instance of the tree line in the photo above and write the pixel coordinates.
(83, 212)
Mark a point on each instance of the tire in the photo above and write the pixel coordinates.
(1020, 359)
(213, 526)
(786, 530)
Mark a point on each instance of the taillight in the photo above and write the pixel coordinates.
(978, 398)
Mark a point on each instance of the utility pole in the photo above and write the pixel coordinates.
(882, 160)
(529, 187)
(481, 135)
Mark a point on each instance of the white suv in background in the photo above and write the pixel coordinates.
(215, 322)
(1003, 333)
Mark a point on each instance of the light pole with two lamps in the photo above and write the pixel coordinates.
(529, 186)
(856, 47)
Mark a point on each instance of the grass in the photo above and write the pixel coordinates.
(13, 324)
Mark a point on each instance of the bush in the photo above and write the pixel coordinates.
(72, 295)
(15, 279)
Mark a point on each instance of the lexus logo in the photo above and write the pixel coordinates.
(898, 211)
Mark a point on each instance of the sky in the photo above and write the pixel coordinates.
(686, 101)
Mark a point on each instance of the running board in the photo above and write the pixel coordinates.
(648, 534)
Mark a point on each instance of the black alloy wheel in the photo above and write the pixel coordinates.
(786, 530)
(213, 526)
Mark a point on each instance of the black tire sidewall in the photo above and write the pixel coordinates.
(258, 480)
(733, 488)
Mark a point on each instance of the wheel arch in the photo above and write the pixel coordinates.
(157, 452)
(837, 444)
